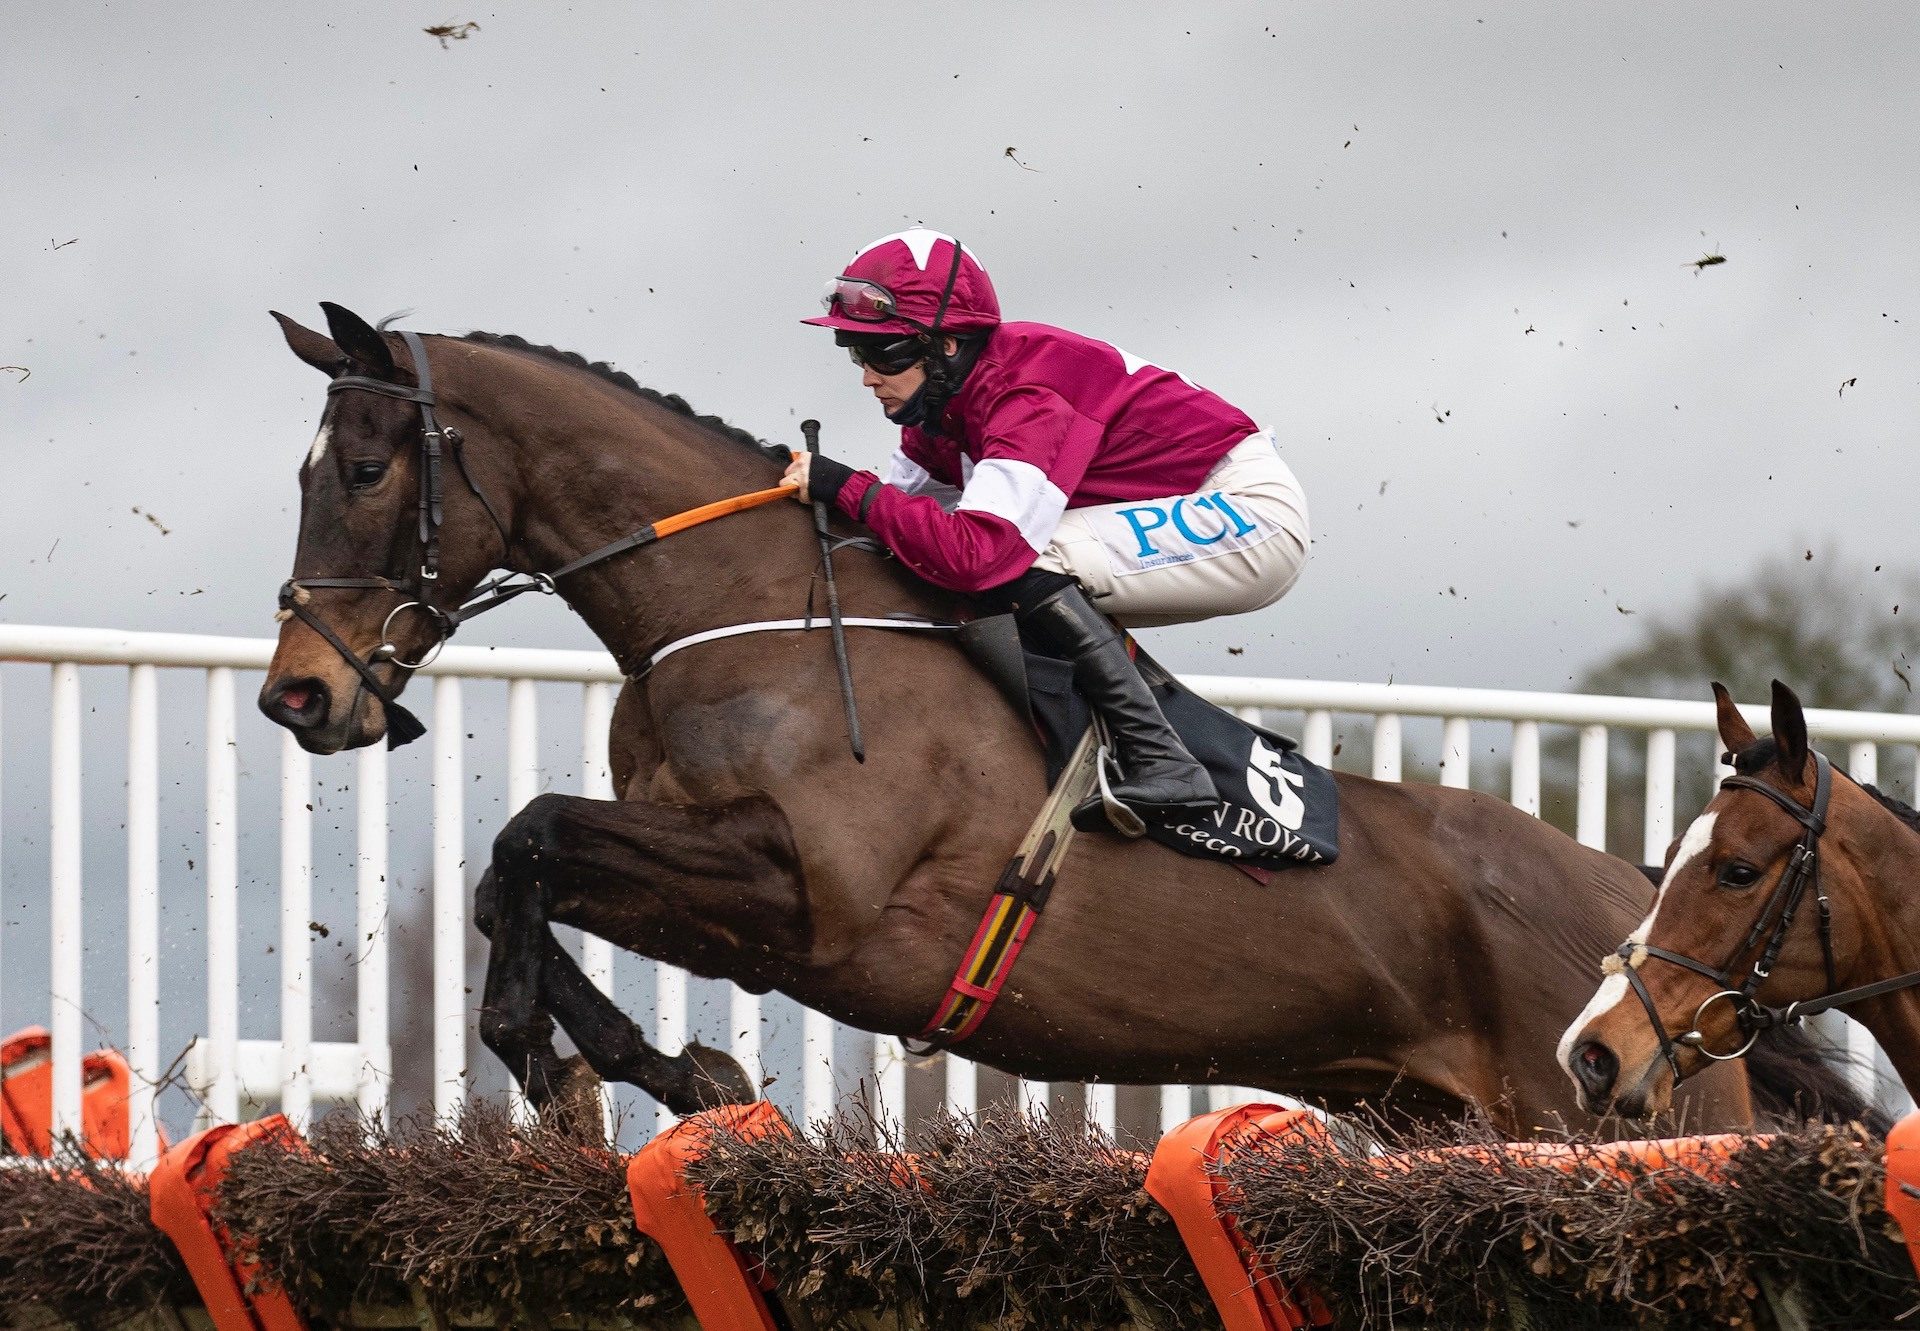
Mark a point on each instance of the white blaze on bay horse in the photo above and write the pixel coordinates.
(1431, 967)
(1790, 895)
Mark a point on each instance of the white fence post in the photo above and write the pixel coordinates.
(817, 1094)
(1316, 738)
(1863, 762)
(1870, 1065)
(143, 913)
(223, 909)
(1590, 823)
(1176, 1106)
(64, 881)
(1386, 748)
(889, 1080)
(962, 1090)
(743, 1031)
(372, 932)
(1659, 827)
(449, 903)
(523, 783)
(296, 939)
(596, 783)
(1456, 752)
(1526, 767)
(669, 1024)
(1103, 1107)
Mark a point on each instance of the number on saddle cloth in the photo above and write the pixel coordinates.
(1279, 810)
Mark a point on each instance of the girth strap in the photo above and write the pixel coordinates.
(783, 626)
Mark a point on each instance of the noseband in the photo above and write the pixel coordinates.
(403, 727)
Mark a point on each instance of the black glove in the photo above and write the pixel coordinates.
(826, 478)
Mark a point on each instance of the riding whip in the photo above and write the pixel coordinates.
(811, 430)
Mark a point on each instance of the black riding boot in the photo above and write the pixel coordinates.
(1159, 776)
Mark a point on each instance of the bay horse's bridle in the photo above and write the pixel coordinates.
(403, 727)
(1751, 1016)
(436, 442)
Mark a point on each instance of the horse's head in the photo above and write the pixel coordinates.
(392, 535)
(1750, 911)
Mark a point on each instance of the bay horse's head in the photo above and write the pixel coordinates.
(393, 533)
(1763, 904)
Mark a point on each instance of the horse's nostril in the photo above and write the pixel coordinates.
(1595, 1066)
(300, 704)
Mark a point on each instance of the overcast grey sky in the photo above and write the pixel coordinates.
(1440, 249)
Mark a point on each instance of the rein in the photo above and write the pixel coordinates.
(1752, 1016)
(403, 727)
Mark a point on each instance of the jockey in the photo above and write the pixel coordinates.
(1060, 478)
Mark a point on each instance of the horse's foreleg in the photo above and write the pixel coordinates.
(513, 1022)
(617, 1049)
(674, 883)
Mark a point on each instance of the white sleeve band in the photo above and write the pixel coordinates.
(1019, 492)
(909, 477)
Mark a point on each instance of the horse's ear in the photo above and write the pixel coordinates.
(1789, 731)
(355, 336)
(311, 347)
(1735, 733)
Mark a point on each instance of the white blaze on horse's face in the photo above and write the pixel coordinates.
(320, 442)
(1614, 988)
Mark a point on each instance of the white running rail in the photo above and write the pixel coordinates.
(227, 1071)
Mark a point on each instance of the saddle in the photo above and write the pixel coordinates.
(1278, 809)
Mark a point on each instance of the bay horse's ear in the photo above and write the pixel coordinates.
(355, 336)
(1735, 733)
(1789, 731)
(311, 347)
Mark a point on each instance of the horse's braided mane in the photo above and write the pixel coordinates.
(1761, 753)
(1900, 809)
(602, 370)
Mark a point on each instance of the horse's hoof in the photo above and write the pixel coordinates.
(715, 1079)
(572, 1101)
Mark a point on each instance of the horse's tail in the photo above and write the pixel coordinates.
(1794, 1079)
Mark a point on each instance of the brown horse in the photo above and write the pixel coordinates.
(1431, 967)
(1792, 888)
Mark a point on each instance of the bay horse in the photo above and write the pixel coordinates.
(1789, 895)
(1429, 969)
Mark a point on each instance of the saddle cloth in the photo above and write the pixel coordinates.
(1278, 810)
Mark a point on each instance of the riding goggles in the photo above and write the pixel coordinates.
(860, 300)
(888, 357)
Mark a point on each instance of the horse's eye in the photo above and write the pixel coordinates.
(1738, 875)
(363, 474)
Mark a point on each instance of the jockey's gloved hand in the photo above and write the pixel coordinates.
(826, 478)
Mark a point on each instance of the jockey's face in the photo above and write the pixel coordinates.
(893, 390)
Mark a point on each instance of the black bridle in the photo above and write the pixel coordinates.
(418, 589)
(1769, 933)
